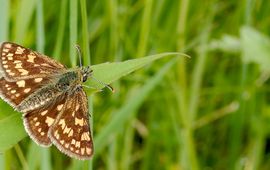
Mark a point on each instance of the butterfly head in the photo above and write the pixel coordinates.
(86, 72)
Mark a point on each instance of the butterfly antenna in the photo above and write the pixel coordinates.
(104, 84)
(79, 53)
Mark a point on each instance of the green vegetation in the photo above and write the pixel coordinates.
(209, 111)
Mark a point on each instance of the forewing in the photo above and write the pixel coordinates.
(19, 63)
(71, 131)
(16, 91)
(37, 122)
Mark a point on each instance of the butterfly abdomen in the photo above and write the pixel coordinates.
(39, 98)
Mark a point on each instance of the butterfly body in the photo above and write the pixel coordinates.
(51, 98)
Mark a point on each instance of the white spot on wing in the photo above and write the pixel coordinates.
(66, 130)
(31, 58)
(62, 123)
(10, 55)
(82, 150)
(49, 121)
(8, 45)
(78, 144)
(37, 80)
(18, 65)
(44, 112)
(23, 71)
(70, 133)
(19, 50)
(27, 90)
(78, 121)
(21, 83)
(59, 107)
(73, 141)
(88, 151)
(77, 107)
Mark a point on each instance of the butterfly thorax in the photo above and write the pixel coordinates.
(67, 82)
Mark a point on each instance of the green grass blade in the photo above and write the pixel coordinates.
(109, 72)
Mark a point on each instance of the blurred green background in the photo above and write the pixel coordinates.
(208, 112)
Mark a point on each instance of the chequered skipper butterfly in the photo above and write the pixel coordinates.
(51, 98)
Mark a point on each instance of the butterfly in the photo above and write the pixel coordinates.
(51, 98)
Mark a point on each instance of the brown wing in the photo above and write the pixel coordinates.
(71, 131)
(37, 122)
(15, 92)
(19, 63)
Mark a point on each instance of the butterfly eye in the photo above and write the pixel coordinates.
(85, 76)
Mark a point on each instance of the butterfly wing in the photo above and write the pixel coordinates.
(15, 92)
(71, 131)
(19, 63)
(38, 121)
(23, 71)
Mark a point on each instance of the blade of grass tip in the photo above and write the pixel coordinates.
(123, 115)
(73, 32)
(45, 152)
(61, 30)
(120, 69)
(87, 60)
(23, 18)
(4, 20)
